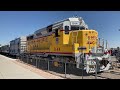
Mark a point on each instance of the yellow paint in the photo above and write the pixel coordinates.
(67, 43)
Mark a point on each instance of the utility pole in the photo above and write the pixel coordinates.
(103, 44)
(99, 42)
(106, 44)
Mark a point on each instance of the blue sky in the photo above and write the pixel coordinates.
(14, 24)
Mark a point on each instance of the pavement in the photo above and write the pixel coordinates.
(113, 58)
(10, 70)
(13, 69)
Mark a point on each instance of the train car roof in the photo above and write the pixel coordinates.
(68, 19)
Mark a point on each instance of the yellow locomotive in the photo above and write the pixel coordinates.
(62, 38)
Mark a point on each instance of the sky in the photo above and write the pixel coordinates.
(14, 24)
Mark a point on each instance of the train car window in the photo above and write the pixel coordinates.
(66, 29)
(18, 50)
(38, 34)
(30, 37)
(27, 38)
(49, 28)
(56, 33)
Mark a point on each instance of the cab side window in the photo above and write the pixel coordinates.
(56, 33)
(66, 29)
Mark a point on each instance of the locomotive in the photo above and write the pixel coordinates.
(4, 50)
(61, 41)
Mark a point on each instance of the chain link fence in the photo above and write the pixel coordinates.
(60, 68)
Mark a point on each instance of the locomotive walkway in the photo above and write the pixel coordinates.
(10, 70)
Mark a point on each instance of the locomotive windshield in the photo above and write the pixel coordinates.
(75, 25)
(75, 28)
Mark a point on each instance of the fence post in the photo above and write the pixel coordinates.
(96, 69)
(39, 62)
(82, 64)
(27, 59)
(31, 60)
(22, 58)
(36, 62)
(48, 64)
(65, 68)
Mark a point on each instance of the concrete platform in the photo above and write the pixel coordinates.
(10, 70)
